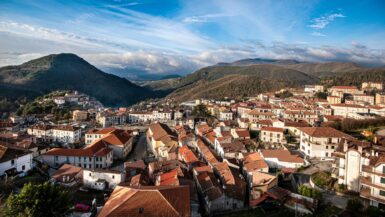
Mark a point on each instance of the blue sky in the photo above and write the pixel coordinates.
(169, 36)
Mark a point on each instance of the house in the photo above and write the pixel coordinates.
(272, 135)
(78, 115)
(338, 90)
(169, 178)
(233, 185)
(170, 201)
(93, 135)
(363, 98)
(41, 131)
(281, 158)
(110, 118)
(378, 110)
(209, 188)
(14, 160)
(320, 141)
(348, 110)
(120, 141)
(380, 99)
(240, 133)
(225, 147)
(68, 175)
(94, 156)
(372, 86)
(140, 116)
(101, 179)
(134, 168)
(187, 156)
(259, 185)
(162, 140)
(225, 115)
(360, 166)
(334, 99)
(253, 163)
(66, 134)
(162, 115)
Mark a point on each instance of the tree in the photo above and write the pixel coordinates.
(354, 205)
(41, 200)
(321, 95)
(200, 111)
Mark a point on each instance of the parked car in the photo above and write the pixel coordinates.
(82, 207)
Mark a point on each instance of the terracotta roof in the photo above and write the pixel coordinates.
(348, 105)
(169, 178)
(262, 178)
(9, 153)
(187, 155)
(67, 170)
(323, 132)
(117, 137)
(243, 133)
(209, 156)
(344, 87)
(149, 201)
(272, 129)
(99, 148)
(209, 185)
(254, 161)
(66, 128)
(102, 131)
(282, 155)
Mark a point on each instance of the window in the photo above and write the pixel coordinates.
(332, 146)
(90, 174)
(56, 157)
(382, 193)
(113, 177)
(382, 180)
(23, 167)
(383, 169)
(12, 162)
(327, 147)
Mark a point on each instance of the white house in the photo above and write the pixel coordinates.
(14, 160)
(101, 179)
(320, 141)
(348, 110)
(272, 135)
(281, 158)
(66, 134)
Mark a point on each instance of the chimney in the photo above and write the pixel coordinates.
(345, 146)
(360, 149)
(372, 153)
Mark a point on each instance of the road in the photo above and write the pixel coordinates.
(139, 150)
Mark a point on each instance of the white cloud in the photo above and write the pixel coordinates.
(322, 22)
(204, 18)
(318, 34)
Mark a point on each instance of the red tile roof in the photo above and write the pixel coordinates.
(282, 155)
(272, 129)
(149, 201)
(323, 132)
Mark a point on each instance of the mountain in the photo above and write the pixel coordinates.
(232, 81)
(138, 74)
(69, 72)
(325, 69)
(255, 61)
(248, 77)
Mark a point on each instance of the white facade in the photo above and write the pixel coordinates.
(66, 136)
(101, 179)
(20, 163)
(348, 111)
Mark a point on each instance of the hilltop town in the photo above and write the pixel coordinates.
(315, 150)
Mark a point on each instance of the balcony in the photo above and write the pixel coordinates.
(365, 192)
(369, 169)
(368, 182)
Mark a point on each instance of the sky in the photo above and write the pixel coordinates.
(170, 36)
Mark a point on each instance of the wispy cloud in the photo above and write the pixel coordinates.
(204, 18)
(322, 22)
(318, 34)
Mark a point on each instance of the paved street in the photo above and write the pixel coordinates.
(139, 149)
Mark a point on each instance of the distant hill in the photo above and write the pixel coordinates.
(219, 81)
(325, 69)
(249, 77)
(68, 72)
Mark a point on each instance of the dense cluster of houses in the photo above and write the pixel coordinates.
(216, 165)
